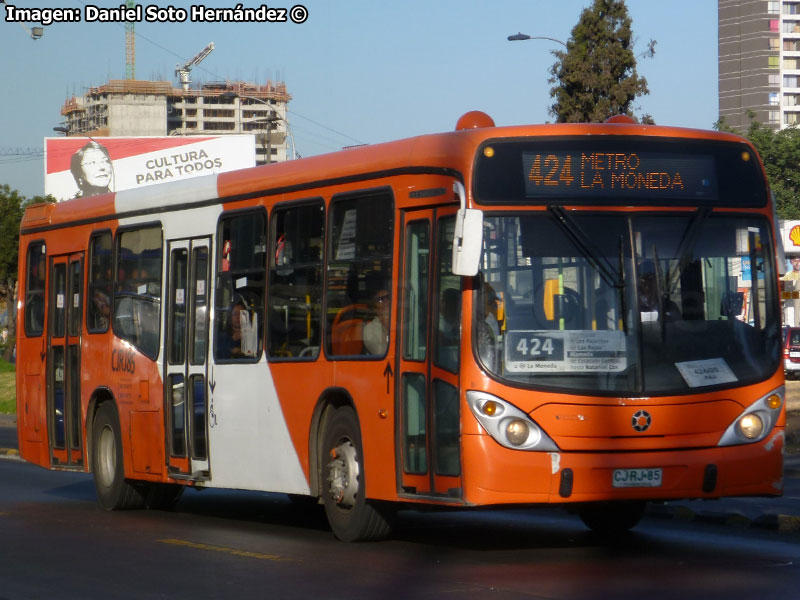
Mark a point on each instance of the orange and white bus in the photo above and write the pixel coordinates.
(548, 314)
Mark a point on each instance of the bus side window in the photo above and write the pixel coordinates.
(360, 275)
(239, 295)
(295, 281)
(34, 289)
(137, 290)
(98, 306)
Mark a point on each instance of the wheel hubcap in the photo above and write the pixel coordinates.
(343, 475)
(107, 452)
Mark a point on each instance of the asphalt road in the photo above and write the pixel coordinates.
(56, 542)
(8, 435)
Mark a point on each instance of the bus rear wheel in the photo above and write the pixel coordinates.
(610, 518)
(114, 492)
(352, 518)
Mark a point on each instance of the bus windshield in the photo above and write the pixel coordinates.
(627, 304)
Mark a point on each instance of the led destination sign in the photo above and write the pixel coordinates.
(552, 174)
(626, 170)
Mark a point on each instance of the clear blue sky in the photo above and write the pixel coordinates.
(359, 71)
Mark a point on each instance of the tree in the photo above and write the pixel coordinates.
(596, 76)
(780, 153)
(12, 207)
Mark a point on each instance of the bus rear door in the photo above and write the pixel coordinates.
(64, 360)
(186, 406)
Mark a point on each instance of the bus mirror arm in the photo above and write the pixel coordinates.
(468, 236)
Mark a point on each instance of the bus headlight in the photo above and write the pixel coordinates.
(751, 426)
(517, 432)
(756, 421)
(508, 425)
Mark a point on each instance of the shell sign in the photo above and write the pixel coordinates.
(794, 235)
(790, 235)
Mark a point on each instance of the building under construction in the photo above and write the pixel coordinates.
(130, 107)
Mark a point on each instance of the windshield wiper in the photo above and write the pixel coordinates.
(588, 248)
(685, 252)
(660, 294)
(621, 289)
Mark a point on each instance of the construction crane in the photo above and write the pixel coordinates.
(182, 72)
(130, 46)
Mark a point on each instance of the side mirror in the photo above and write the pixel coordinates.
(467, 242)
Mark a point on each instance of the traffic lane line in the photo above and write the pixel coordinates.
(226, 550)
(9, 454)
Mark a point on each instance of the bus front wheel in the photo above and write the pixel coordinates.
(114, 492)
(611, 517)
(352, 518)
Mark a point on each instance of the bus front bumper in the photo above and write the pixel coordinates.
(496, 475)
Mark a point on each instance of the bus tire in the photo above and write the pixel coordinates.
(351, 517)
(114, 492)
(608, 518)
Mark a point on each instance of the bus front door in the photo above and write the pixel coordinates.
(428, 438)
(64, 361)
(185, 401)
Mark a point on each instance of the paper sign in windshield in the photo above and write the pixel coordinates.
(565, 351)
(713, 371)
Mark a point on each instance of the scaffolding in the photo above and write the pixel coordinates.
(222, 107)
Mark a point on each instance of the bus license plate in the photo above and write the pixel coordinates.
(636, 478)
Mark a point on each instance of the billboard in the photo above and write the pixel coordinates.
(84, 166)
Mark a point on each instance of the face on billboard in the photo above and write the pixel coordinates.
(96, 168)
(92, 169)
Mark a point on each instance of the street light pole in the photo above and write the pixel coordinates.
(270, 120)
(518, 37)
(35, 32)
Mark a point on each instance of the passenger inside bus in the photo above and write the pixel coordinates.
(488, 327)
(492, 305)
(100, 311)
(652, 298)
(376, 331)
(229, 344)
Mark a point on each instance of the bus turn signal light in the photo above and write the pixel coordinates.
(491, 408)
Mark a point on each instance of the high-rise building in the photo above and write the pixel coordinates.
(129, 107)
(759, 62)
